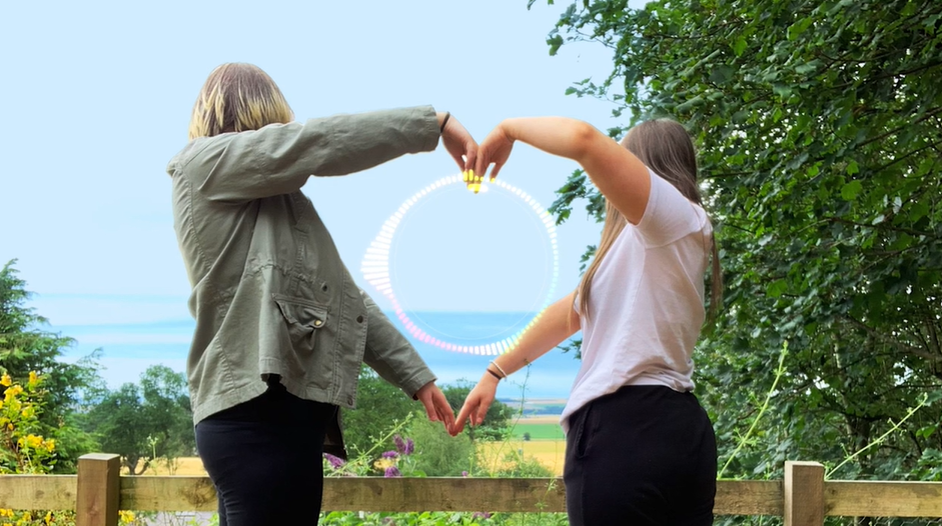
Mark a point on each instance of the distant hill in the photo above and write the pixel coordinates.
(537, 406)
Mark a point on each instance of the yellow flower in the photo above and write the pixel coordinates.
(126, 517)
(6, 381)
(50, 445)
(6, 513)
(32, 441)
(11, 392)
(48, 519)
(384, 463)
(33, 379)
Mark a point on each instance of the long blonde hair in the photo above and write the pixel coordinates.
(665, 147)
(237, 97)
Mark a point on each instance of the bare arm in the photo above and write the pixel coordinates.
(558, 322)
(618, 174)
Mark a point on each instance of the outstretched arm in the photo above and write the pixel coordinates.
(558, 322)
(619, 175)
(279, 158)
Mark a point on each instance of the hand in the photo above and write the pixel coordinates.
(495, 149)
(436, 405)
(459, 143)
(477, 403)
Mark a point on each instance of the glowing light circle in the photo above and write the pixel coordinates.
(375, 267)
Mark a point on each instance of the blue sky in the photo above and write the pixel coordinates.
(98, 96)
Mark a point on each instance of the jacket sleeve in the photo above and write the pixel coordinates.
(278, 158)
(390, 354)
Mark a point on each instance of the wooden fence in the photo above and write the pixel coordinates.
(803, 498)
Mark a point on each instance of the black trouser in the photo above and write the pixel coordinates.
(644, 455)
(264, 457)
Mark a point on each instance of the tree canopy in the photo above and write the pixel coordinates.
(145, 422)
(818, 131)
(25, 347)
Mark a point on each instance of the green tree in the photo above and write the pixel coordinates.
(438, 454)
(380, 407)
(496, 425)
(25, 347)
(146, 422)
(818, 128)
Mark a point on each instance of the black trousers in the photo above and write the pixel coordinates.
(265, 459)
(644, 455)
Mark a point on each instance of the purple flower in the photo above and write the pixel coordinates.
(410, 447)
(400, 444)
(335, 462)
(392, 472)
(464, 473)
(481, 515)
(391, 454)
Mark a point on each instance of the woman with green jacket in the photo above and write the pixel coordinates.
(281, 327)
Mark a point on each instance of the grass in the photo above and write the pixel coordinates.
(538, 431)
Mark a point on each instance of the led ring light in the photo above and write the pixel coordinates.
(375, 267)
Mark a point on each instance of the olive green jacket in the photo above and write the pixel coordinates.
(270, 293)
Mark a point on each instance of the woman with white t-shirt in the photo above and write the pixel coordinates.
(639, 448)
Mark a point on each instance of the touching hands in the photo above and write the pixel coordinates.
(437, 406)
(477, 403)
(495, 149)
(474, 160)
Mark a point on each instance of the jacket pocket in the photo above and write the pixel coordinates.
(303, 318)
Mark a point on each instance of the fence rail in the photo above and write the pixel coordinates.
(803, 498)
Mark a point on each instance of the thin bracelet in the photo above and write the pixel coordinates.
(495, 375)
(499, 368)
(445, 121)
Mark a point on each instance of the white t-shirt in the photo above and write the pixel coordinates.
(646, 302)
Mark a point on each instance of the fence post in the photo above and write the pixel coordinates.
(99, 489)
(804, 494)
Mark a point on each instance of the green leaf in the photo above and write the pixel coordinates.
(795, 30)
(777, 288)
(555, 42)
(739, 45)
(850, 190)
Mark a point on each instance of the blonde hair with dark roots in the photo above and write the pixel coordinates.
(665, 147)
(237, 97)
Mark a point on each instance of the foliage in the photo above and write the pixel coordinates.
(818, 129)
(437, 453)
(146, 422)
(442, 519)
(380, 407)
(22, 446)
(25, 348)
(410, 455)
(23, 450)
(496, 425)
